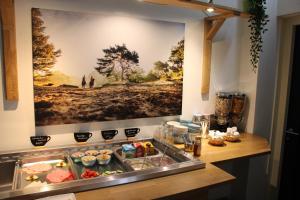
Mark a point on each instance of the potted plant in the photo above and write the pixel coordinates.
(257, 23)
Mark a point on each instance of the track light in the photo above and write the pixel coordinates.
(210, 9)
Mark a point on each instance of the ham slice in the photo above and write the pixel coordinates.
(59, 175)
(37, 168)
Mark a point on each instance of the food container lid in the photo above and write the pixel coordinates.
(239, 95)
(224, 95)
(172, 123)
(194, 126)
(181, 127)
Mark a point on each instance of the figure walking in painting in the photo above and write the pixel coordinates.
(92, 82)
(83, 82)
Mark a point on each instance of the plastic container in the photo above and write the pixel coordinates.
(128, 151)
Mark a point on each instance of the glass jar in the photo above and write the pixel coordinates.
(197, 118)
(197, 146)
(222, 120)
(238, 103)
(188, 146)
(236, 120)
(223, 104)
(179, 132)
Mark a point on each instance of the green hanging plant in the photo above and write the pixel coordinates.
(258, 21)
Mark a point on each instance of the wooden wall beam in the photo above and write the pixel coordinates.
(215, 28)
(7, 16)
(207, 49)
(211, 27)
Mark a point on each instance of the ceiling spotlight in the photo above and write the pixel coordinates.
(210, 9)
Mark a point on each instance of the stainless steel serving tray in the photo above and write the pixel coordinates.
(114, 165)
(20, 175)
(183, 163)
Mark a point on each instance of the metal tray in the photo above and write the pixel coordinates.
(114, 165)
(161, 157)
(20, 181)
(140, 164)
(183, 163)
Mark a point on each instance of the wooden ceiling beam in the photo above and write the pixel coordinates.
(197, 5)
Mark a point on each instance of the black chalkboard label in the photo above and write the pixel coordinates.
(109, 134)
(132, 132)
(39, 141)
(82, 136)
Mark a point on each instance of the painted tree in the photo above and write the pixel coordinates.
(44, 53)
(118, 60)
(161, 70)
(173, 68)
(177, 56)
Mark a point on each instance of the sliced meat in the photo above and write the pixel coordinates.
(59, 175)
(37, 168)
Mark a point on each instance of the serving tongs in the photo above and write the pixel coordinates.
(144, 160)
(161, 159)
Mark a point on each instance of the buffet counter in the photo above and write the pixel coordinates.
(165, 171)
(250, 145)
(163, 187)
(198, 182)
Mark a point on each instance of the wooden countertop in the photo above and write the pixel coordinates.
(250, 145)
(161, 187)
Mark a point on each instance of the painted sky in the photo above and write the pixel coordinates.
(81, 37)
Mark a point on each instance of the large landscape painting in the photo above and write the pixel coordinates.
(91, 67)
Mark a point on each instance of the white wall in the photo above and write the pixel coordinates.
(286, 7)
(230, 52)
(258, 170)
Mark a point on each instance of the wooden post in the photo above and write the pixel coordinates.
(7, 14)
(211, 28)
(207, 48)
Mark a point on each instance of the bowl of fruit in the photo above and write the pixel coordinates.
(92, 153)
(88, 161)
(103, 159)
(77, 156)
(106, 151)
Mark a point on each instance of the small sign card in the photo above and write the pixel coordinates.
(82, 136)
(132, 132)
(109, 134)
(39, 141)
